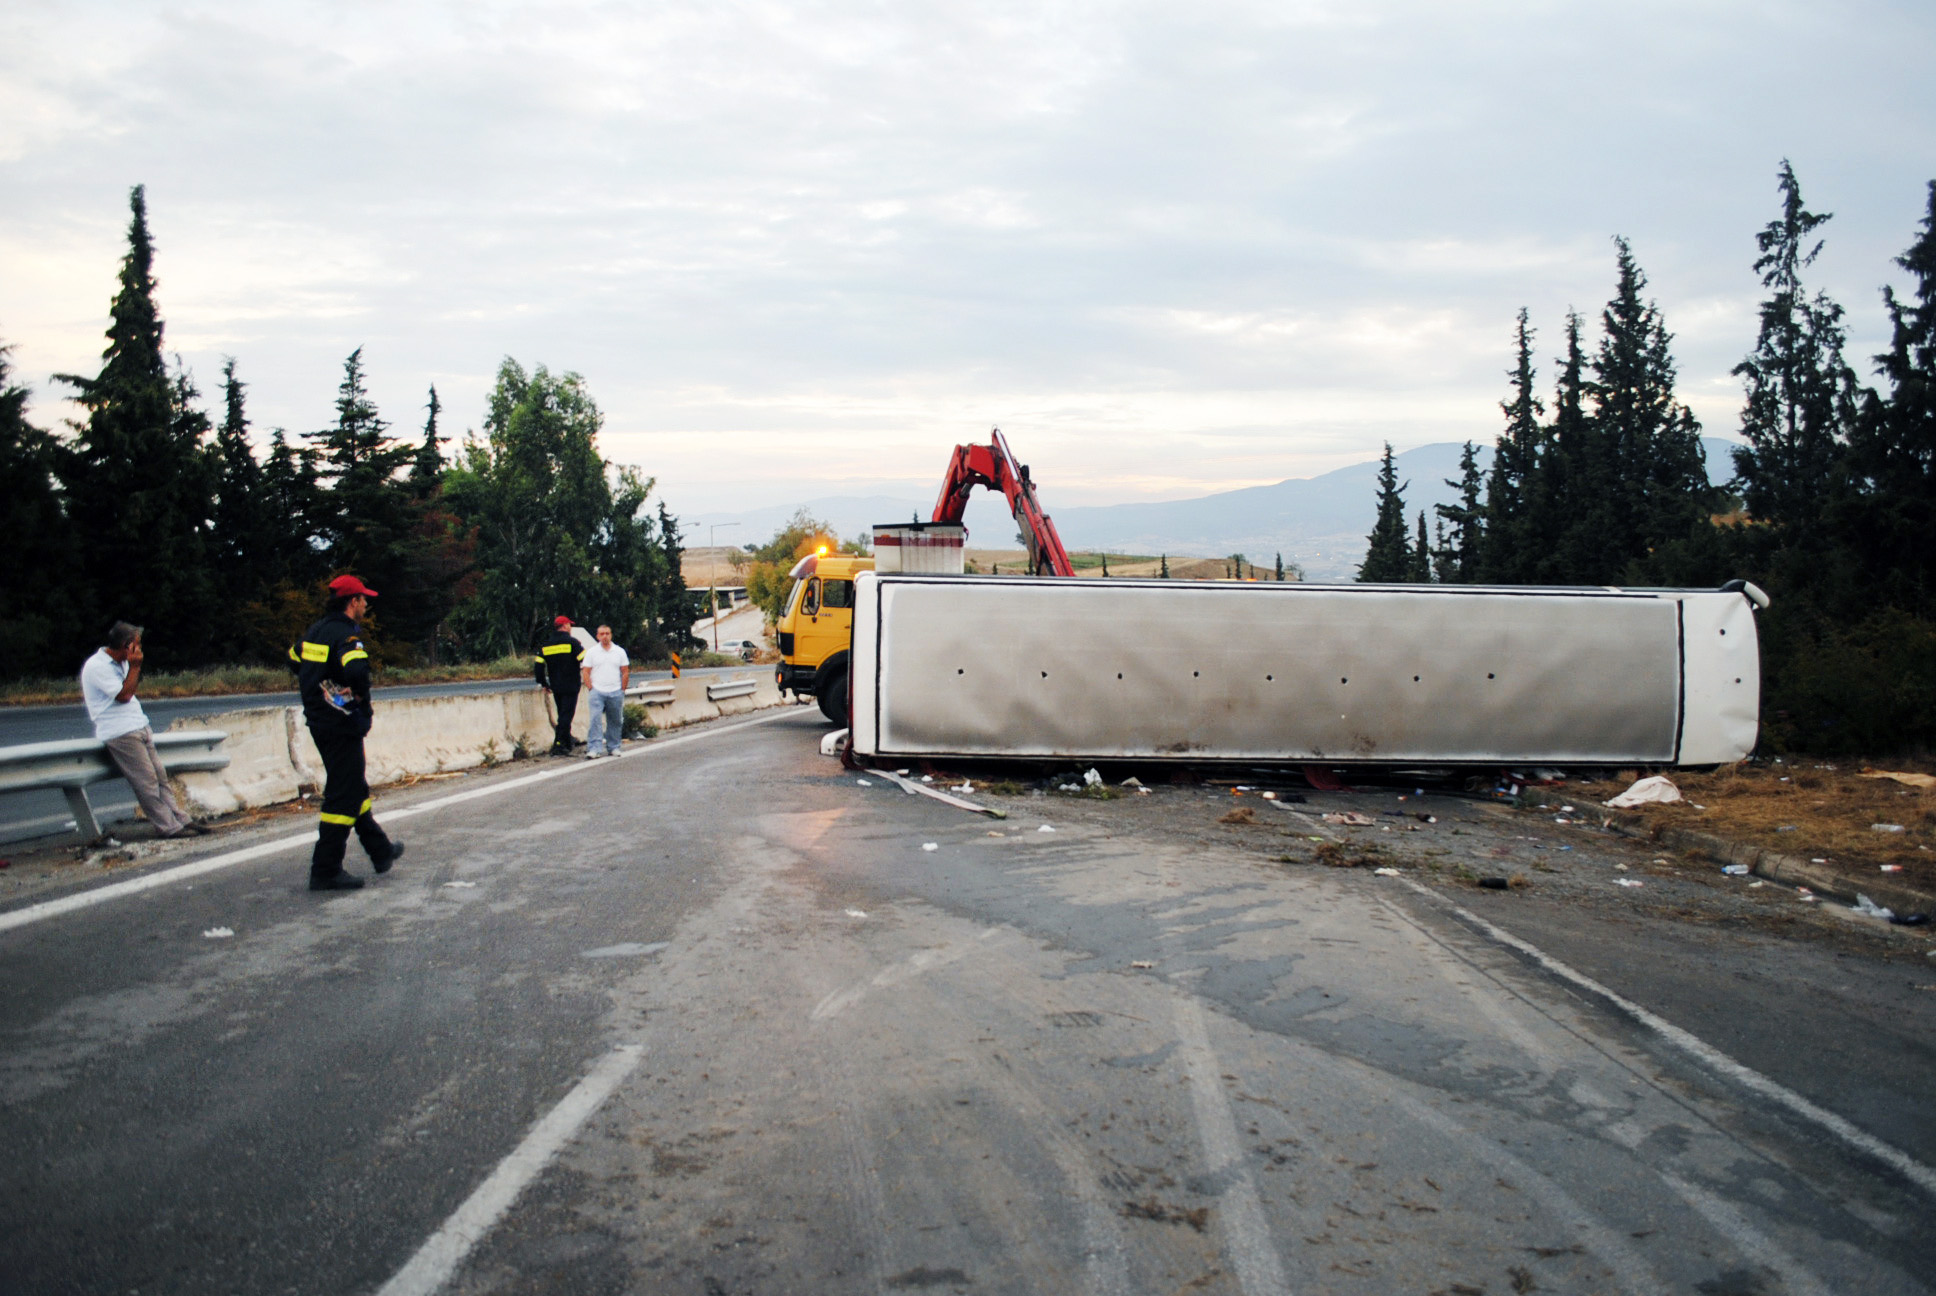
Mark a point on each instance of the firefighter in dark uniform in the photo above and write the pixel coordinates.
(334, 670)
(555, 666)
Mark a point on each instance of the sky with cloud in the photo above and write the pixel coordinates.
(803, 249)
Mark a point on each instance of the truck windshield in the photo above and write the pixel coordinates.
(837, 594)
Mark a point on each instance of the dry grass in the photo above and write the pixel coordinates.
(1812, 808)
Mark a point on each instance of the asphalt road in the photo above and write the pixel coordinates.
(714, 1018)
(24, 815)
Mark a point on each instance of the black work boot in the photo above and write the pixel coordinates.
(336, 882)
(383, 865)
(326, 861)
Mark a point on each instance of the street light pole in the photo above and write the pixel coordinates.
(712, 577)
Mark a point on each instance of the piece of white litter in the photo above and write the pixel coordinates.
(1068, 787)
(863, 782)
(1628, 882)
(1756, 883)
(1091, 779)
(1888, 828)
(966, 786)
(217, 933)
(1045, 828)
(1132, 781)
(1385, 872)
(1735, 870)
(1270, 796)
(459, 886)
(927, 778)
(1818, 861)
(1890, 868)
(1566, 809)
(1140, 963)
(856, 913)
(1864, 905)
(930, 845)
(1656, 790)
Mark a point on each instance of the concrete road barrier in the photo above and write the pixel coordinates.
(260, 769)
(272, 758)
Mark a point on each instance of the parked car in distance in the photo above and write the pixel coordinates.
(746, 649)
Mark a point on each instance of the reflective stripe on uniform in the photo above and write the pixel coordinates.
(292, 656)
(551, 650)
(315, 652)
(365, 808)
(355, 654)
(345, 820)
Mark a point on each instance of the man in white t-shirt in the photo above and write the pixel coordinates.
(108, 681)
(606, 672)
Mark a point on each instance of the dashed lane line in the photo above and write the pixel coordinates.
(438, 1258)
(183, 872)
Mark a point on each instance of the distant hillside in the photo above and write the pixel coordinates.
(1320, 523)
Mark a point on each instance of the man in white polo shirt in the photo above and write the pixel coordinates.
(108, 682)
(607, 671)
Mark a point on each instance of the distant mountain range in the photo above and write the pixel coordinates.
(1320, 523)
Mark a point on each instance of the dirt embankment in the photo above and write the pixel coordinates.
(1815, 809)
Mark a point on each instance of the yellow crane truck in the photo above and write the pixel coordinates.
(816, 629)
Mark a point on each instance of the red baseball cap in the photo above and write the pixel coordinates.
(344, 586)
(561, 622)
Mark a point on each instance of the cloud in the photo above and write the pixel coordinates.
(1171, 248)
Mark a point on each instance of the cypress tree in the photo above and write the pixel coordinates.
(248, 550)
(1801, 397)
(1576, 476)
(1894, 450)
(1280, 568)
(1509, 552)
(1105, 566)
(1461, 553)
(137, 480)
(1421, 555)
(370, 514)
(672, 610)
(34, 633)
(1163, 573)
(427, 469)
(1653, 442)
(1387, 554)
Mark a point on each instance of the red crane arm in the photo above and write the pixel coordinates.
(993, 467)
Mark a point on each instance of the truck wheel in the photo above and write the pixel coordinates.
(833, 699)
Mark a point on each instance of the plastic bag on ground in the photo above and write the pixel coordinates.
(1091, 779)
(1658, 790)
(1864, 905)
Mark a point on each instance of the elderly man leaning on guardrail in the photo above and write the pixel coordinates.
(108, 682)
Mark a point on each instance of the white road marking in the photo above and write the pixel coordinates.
(183, 872)
(1861, 1140)
(1246, 1232)
(437, 1259)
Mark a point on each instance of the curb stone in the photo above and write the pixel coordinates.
(1775, 866)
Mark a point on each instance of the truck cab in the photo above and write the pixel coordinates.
(817, 627)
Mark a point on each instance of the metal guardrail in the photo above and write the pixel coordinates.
(651, 693)
(73, 764)
(730, 689)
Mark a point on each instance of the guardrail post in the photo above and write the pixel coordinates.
(84, 820)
